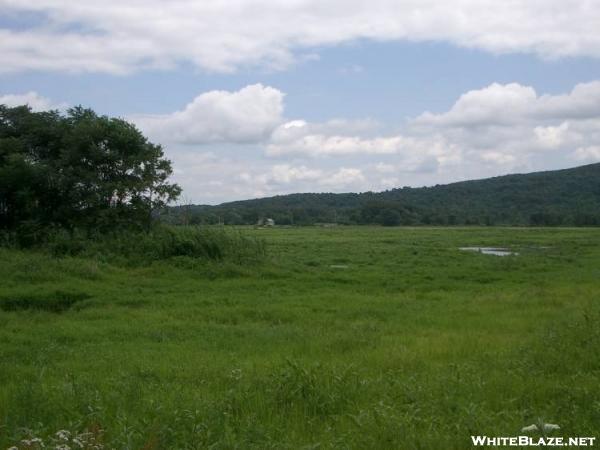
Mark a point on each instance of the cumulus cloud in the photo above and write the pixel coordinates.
(318, 144)
(551, 136)
(297, 129)
(498, 157)
(34, 100)
(128, 35)
(583, 102)
(501, 127)
(509, 104)
(385, 168)
(354, 139)
(281, 177)
(285, 174)
(490, 131)
(341, 138)
(245, 116)
(494, 105)
(512, 127)
(345, 177)
(587, 154)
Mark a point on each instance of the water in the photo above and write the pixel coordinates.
(497, 251)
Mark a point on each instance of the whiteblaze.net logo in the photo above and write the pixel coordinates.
(528, 441)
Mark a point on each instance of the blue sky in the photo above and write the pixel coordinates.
(352, 100)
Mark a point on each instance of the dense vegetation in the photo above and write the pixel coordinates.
(344, 338)
(569, 197)
(86, 185)
(78, 171)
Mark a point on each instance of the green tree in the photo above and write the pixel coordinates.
(78, 170)
(389, 217)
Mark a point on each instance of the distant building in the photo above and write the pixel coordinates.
(268, 222)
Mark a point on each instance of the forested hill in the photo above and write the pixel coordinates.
(560, 197)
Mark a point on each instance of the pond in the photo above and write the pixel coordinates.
(497, 251)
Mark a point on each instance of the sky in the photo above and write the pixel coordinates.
(254, 98)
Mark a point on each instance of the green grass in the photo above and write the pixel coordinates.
(405, 342)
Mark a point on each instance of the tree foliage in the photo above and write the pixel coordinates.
(78, 170)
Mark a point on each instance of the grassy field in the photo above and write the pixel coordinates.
(358, 338)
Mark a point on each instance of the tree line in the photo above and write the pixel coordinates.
(569, 197)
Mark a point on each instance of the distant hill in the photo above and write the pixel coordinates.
(569, 197)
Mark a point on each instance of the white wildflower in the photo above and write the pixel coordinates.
(63, 435)
(62, 447)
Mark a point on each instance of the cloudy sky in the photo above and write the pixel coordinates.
(254, 98)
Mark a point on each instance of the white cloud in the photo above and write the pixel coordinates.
(285, 174)
(345, 177)
(245, 116)
(120, 36)
(339, 138)
(35, 101)
(551, 137)
(418, 154)
(296, 130)
(587, 154)
(319, 145)
(490, 131)
(494, 105)
(581, 103)
(498, 157)
(512, 127)
(285, 178)
(390, 183)
(385, 168)
(509, 104)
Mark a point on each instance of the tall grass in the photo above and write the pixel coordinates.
(162, 242)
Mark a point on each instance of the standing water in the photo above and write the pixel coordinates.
(489, 250)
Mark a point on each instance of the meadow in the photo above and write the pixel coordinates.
(336, 338)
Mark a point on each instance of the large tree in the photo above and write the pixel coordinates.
(78, 170)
